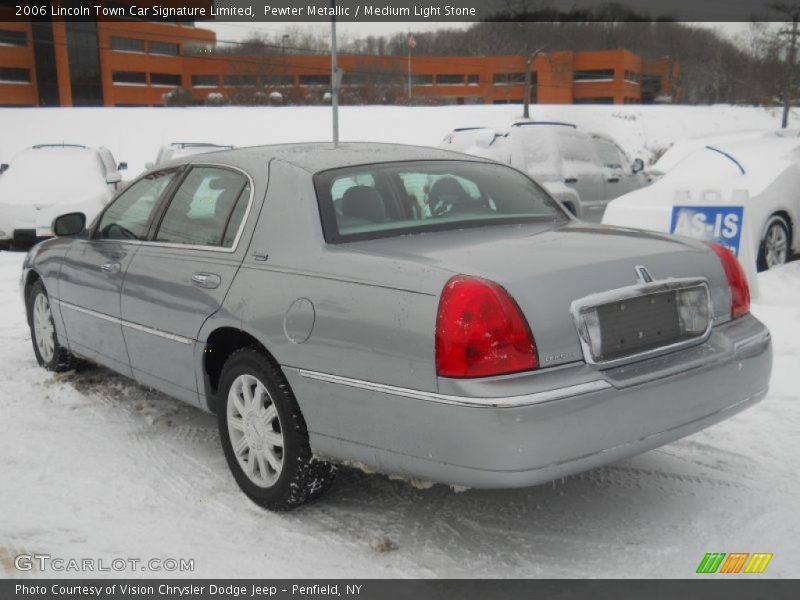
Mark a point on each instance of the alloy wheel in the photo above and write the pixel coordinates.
(255, 431)
(43, 329)
(776, 245)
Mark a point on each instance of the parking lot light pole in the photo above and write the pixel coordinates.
(526, 93)
(335, 76)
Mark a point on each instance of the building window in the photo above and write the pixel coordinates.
(593, 75)
(239, 80)
(169, 79)
(511, 78)
(205, 80)
(422, 80)
(279, 80)
(9, 37)
(632, 77)
(472, 79)
(121, 44)
(83, 50)
(450, 79)
(14, 75)
(165, 48)
(315, 79)
(129, 77)
(597, 100)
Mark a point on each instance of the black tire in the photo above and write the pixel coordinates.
(61, 359)
(5, 245)
(302, 477)
(774, 221)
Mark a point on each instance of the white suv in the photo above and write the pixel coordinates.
(585, 171)
(49, 180)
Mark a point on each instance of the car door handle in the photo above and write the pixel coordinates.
(570, 180)
(206, 280)
(111, 268)
(612, 179)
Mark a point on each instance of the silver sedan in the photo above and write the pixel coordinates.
(417, 311)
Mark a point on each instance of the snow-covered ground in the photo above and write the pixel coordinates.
(96, 466)
(134, 135)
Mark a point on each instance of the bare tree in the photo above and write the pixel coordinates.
(787, 37)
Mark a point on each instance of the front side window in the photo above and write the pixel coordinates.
(610, 155)
(128, 216)
(390, 199)
(207, 209)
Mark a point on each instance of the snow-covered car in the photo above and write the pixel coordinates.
(683, 148)
(180, 149)
(48, 180)
(494, 342)
(582, 170)
(762, 174)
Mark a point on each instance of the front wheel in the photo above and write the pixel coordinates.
(774, 248)
(264, 435)
(50, 354)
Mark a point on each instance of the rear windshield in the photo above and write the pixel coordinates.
(390, 199)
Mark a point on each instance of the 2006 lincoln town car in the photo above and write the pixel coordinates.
(421, 312)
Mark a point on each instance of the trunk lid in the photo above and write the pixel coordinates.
(546, 270)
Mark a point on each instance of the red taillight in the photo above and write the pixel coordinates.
(480, 331)
(737, 282)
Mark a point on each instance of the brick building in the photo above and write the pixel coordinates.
(133, 63)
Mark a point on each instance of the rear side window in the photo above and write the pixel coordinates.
(129, 215)
(390, 199)
(575, 147)
(207, 209)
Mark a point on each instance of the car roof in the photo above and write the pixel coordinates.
(321, 156)
(544, 124)
(198, 145)
(59, 145)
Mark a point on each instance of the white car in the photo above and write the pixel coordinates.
(683, 148)
(761, 174)
(48, 180)
(180, 149)
(583, 170)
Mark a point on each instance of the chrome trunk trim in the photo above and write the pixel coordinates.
(474, 402)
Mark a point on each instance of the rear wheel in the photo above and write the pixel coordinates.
(49, 352)
(264, 435)
(774, 249)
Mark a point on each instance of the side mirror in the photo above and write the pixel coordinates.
(638, 165)
(69, 224)
(3, 168)
(123, 166)
(149, 165)
(113, 177)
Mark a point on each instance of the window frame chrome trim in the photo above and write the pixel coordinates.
(157, 244)
(239, 233)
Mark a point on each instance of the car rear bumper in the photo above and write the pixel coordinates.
(526, 429)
